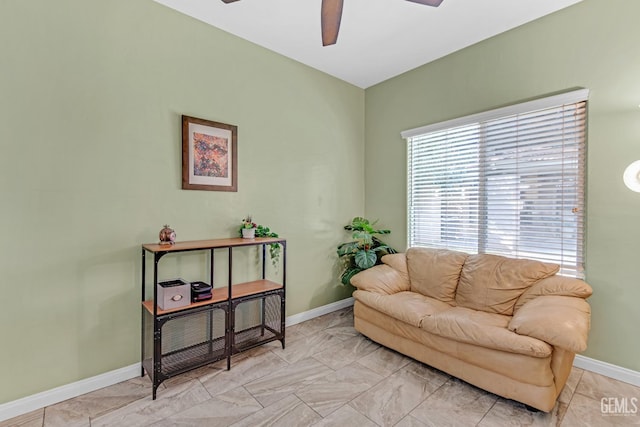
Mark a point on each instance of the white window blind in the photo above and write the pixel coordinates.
(507, 182)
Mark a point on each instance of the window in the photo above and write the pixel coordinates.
(507, 182)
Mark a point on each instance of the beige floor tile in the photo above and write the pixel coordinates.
(77, 411)
(509, 413)
(384, 361)
(286, 381)
(308, 346)
(146, 411)
(329, 393)
(347, 352)
(455, 403)
(394, 397)
(570, 387)
(292, 333)
(31, 419)
(598, 386)
(346, 416)
(587, 412)
(336, 320)
(410, 421)
(287, 412)
(223, 410)
(432, 375)
(63, 418)
(296, 331)
(242, 372)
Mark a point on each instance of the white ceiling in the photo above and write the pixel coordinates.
(378, 39)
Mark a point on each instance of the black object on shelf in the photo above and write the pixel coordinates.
(200, 291)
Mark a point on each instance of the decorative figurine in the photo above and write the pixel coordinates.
(167, 236)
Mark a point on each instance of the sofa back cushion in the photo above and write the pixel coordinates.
(494, 283)
(435, 272)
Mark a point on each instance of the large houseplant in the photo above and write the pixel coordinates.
(364, 251)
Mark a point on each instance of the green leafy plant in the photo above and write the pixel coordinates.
(262, 231)
(364, 251)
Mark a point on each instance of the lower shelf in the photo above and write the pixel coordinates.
(187, 358)
(256, 320)
(253, 337)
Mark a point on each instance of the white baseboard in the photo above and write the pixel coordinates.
(608, 370)
(319, 311)
(59, 394)
(68, 391)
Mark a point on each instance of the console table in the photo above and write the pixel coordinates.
(239, 316)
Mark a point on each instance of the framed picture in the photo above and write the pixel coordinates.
(209, 155)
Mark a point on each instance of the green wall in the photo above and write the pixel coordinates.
(593, 44)
(91, 94)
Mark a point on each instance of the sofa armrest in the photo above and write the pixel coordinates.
(558, 320)
(555, 285)
(381, 279)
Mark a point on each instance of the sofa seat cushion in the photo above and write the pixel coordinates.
(408, 307)
(494, 283)
(483, 329)
(520, 367)
(435, 272)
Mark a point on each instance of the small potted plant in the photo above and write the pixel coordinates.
(251, 230)
(248, 228)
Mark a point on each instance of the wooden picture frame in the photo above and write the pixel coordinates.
(209, 155)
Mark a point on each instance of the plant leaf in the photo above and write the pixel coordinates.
(348, 274)
(366, 259)
(359, 221)
(381, 231)
(377, 242)
(348, 248)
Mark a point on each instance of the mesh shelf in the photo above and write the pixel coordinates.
(199, 354)
(193, 339)
(257, 320)
(188, 339)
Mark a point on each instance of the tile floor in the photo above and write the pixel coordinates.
(329, 375)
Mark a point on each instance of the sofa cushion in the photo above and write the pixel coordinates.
(435, 272)
(494, 283)
(397, 262)
(408, 307)
(555, 285)
(425, 346)
(558, 320)
(483, 329)
(381, 279)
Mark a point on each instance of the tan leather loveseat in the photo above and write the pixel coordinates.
(509, 326)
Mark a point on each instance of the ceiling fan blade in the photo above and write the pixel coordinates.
(331, 16)
(228, 1)
(434, 3)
